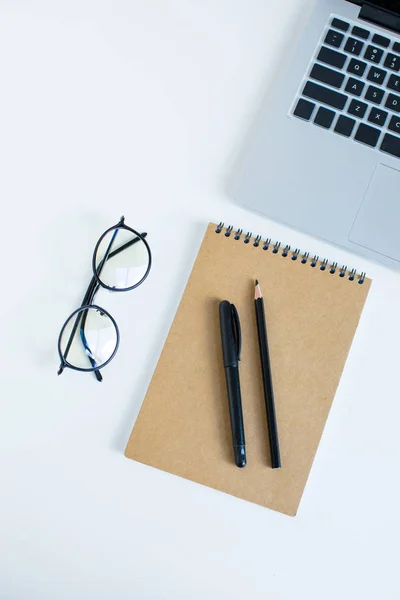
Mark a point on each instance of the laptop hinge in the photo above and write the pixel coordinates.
(380, 16)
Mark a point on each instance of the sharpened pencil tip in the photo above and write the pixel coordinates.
(256, 281)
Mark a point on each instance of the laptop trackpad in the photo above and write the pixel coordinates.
(377, 225)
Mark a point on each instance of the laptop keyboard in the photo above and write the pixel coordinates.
(353, 86)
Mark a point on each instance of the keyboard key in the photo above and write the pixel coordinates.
(356, 67)
(393, 83)
(324, 95)
(377, 116)
(353, 46)
(394, 124)
(333, 78)
(338, 24)
(367, 135)
(396, 46)
(380, 40)
(360, 32)
(374, 94)
(393, 102)
(304, 109)
(354, 86)
(373, 54)
(334, 38)
(357, 108)
(331, 57)
(391, 145)
(324, 117)
(376, 75)
(344, 125)
(392, 61)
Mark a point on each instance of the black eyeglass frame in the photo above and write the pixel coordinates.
(88, 299)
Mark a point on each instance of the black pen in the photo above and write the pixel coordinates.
(231, 347)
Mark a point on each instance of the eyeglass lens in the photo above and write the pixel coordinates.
(89, 339)
(127, 260)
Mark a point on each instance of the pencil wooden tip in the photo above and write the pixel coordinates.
(256, 281)
(257, 291)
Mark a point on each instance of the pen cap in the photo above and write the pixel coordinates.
(230, 333)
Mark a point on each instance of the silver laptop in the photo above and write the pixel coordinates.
(325, 154)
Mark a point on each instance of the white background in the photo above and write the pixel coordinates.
(141, 108)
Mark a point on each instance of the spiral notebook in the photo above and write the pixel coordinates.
(312, 308)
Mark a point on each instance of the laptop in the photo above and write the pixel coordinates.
(325, 155)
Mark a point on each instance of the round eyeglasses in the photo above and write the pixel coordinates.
(89, 338)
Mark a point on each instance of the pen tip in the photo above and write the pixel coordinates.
(256, 281)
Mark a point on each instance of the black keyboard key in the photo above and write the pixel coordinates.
(392, 62)
(393, 102)
(377, 116)
(357, 108)
(338, 24)
(324, 117)
(393, 83)
(331, 57)
(353, 46)
(376, 75)
(374, 94)
(356, 67)
(304, 109)
(360, 32)
(391, 145)
(380, 40)
(333, 78)
(396, 46)
(344, 125)
(373, 54)
(394, 124)
(354, 86)
(367, 135)
(334, 38)
(324, 95)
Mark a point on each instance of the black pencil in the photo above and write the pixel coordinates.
(267, 378)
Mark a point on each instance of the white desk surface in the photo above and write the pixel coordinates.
(139, 108)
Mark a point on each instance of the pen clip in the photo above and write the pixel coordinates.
(237, 333)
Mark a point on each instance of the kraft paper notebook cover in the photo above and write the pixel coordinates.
(312, 315)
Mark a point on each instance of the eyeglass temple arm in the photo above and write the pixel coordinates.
(89, 299)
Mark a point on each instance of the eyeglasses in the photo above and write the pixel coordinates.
(89, 338)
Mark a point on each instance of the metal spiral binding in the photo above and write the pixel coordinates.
(266, 243)
(228, 230)
(257, 241)
(295, 254)
(324, 265)
(275, 249)
(305, 258)
(247, 238)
